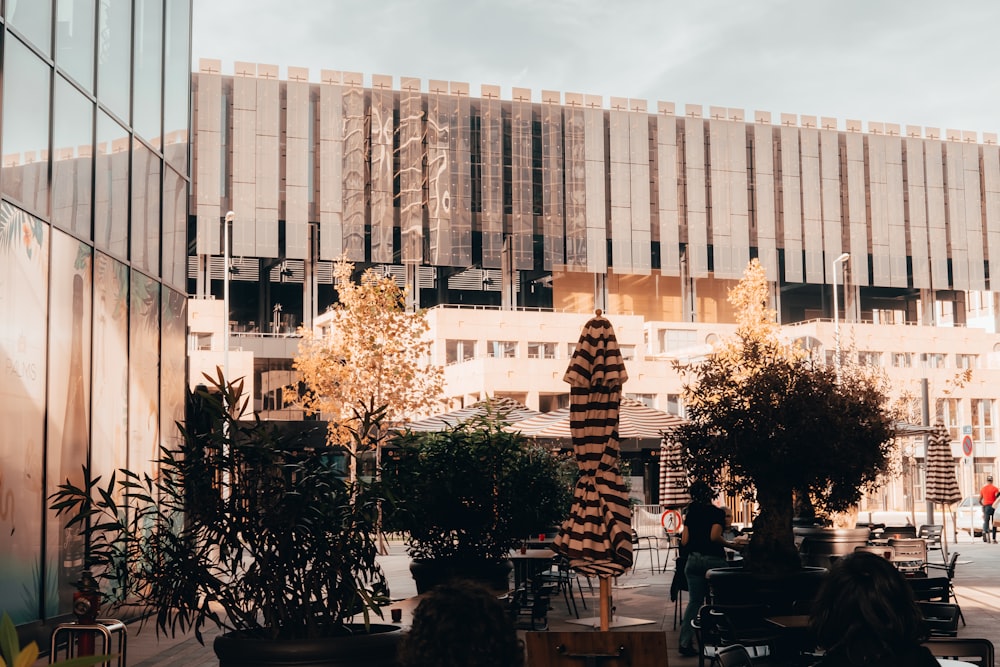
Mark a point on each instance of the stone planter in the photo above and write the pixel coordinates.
(819, 544)
(429, 573)
(376, 648)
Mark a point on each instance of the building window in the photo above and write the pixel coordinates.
(949, 410)
(675, 405)
(869, 358)
(628, 352)
(649, 400)
(570, 349)
(677, 339)
(504, 349)
(932, 360)
(541, 350)
(902, 360)
(982, 420)
(457, 351)
(966, 361)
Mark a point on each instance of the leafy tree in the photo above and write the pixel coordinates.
(374, 355)
(767, 422)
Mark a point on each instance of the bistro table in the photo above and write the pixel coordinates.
(530, 596)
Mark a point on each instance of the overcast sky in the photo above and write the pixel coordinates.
(913, 62)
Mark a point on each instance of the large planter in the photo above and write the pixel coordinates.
(376, 648)
(780, 591)
(821, 546)
(429, 573)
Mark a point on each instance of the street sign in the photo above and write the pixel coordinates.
(966, 430)
(671, 521)
(967, 445)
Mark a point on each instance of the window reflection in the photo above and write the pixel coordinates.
(148, 68)
(114, 48)
(33, 19)
(177, 82)
(25, 126)
(174, 229)
(75, 40)
(111, 186)
(145, 209)
(72, 159)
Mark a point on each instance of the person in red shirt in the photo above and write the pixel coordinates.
(988, 496)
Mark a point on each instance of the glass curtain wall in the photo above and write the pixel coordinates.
(93, 203)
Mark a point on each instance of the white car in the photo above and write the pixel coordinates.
(969, 515)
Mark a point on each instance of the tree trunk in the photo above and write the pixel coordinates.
(772, 547)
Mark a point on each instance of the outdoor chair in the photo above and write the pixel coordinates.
(932, 533)
(717, 626)
(949, 569)
(977, 651)
(941, 618)
(930, 589)
(898, 531)
(734, 655)
(909, 555)
(645, 543)
(885, 552)
(562, 576)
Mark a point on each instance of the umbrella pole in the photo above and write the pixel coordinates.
(944, 533)
(605, 593)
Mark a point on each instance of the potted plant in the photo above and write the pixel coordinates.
(770, 424)
(248, 529)
(467, 495)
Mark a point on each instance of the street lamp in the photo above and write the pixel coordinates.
(225, 293)
(836, 311)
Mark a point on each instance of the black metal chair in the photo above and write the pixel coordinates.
(949, 569)
(941, 618)
(717, 626)
(646, 543)
(898, 531)
(734, 655)
(977, 651)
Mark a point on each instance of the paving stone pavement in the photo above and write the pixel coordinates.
(638, 594)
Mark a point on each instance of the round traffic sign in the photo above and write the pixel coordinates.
(967, 445)
(671, 521)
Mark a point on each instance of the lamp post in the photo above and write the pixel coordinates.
(836, 312)
(225, 294)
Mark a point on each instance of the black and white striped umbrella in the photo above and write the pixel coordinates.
(673, 477)
(597, 536)
(942, 483)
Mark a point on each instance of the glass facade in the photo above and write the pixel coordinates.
(93, 209)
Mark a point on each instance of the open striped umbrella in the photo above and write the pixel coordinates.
(673, 477)
(942, 484)
(597, 536)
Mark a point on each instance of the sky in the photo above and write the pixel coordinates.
(927, 63)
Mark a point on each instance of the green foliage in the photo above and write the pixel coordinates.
(12, 655)
(244, 527)
(767, 422)
(474, 491)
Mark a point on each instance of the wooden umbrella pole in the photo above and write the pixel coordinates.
(605, 593)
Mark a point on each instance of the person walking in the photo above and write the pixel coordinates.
(987, 497)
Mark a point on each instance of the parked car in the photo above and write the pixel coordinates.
(969, 515)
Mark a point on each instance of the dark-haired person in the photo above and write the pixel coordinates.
(461, 624)
(865, 614)
(704, 545)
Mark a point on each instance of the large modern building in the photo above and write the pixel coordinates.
(511, 220)
(94, 137)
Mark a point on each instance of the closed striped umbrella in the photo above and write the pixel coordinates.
(942, 483)
(597, 536)
(673, 477)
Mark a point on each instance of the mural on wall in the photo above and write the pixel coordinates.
(24, 257)
(110, 404)
(173, 371)
(144, 375)
(69, 408)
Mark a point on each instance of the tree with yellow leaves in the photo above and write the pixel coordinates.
(375, 357)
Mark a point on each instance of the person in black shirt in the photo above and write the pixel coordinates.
(704, 545)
